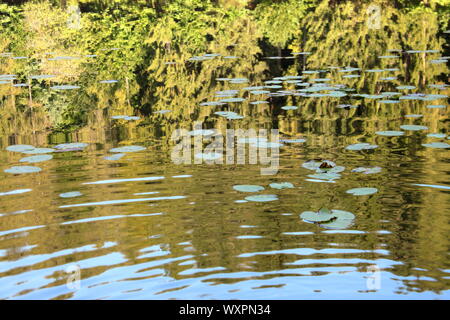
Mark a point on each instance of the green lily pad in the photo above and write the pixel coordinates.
(127, 149)
(314, 165)
(325, 176)
(19, 148)
(405, 87)
(70, 194)
(293, 140)
(437, 145)
(321, 216)
(114, 157)
(367, 170)
(248, 188)
(390, 133)
(281, 185)
(262, 198)
(413, 127)
(39, 151)
(71, 146)
(437, 135)
(289, 107)
(337, 224)
(362, 191)
(230, 100)
(38, 158)
(23, 169)
(361, 146)
(432, 106)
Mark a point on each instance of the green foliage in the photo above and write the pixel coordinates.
(279, 22)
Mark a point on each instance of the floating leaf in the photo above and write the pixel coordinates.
(437, 135)
(39, 158)
(438, 145)
(39, 151)
(436, 106)
(248, 188)
(361, 146)
(321, 216)
(71, 146)
(70, 194)
(390, 133)
(413, 127)
(262, 198)
(19, 148)
(362, 191)
(293, 140)
(23, 169)
(127, 149)
(315, 165)
(114, 157)
(281, 185)
(289, 107)
(367, 170)
(18, 191)
(405, 87)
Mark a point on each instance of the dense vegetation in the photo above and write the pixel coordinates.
(131, 38)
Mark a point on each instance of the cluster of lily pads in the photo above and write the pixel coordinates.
(44, 154)
(38, 155)
(329, 219)
(261, 197)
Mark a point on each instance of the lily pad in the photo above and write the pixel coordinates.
(405, 87)
(314, 165)
(114, 157)
(289, 107)
(321, 216)
(362, 191)
(71, 146)
(437, 145)
(325, 176)
(248, 188)
(413, 127)
(361, 146)
(293, 140)
(436, 106)
(127, 149)
(281, 185)
(39, 151)
(390, 133)
(19, 148)
(71, 194)
(367, 170)
(38, 158)
(437, 135)
(262, 198)
(22, 169)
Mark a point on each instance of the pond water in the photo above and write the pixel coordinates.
(132, 224)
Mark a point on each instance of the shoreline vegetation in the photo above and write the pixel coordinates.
(136, 56)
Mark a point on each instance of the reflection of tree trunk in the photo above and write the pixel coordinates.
(279, 55)
(128, 90)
